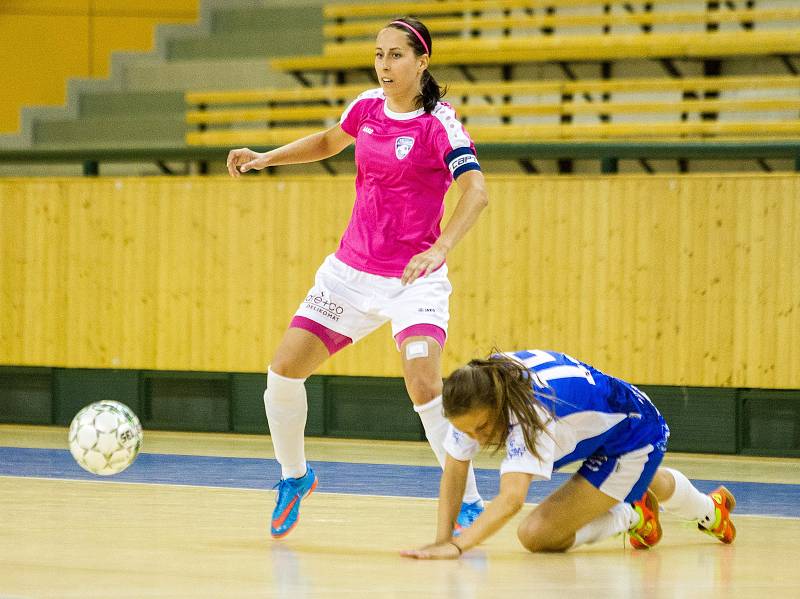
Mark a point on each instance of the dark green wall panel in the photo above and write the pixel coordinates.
(75, 388)
(247, 395)
(704, 420)
(193, 401)
(316, 389)
(701, 419)
(26, 395)
(771, 421)
(371, 408)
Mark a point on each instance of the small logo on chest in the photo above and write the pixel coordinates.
(368, 130)
(402, 146)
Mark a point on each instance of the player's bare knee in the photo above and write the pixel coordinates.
(287, 367)
(540, 541)
(531, 540)
(537, 535)
(530, 534)
(422, 389)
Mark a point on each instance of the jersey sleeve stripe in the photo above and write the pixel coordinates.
(370, 93)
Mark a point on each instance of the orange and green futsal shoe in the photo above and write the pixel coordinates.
(722, 528)
(647, 532)
(287, 509)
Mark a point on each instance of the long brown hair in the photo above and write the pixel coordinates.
(504, 386)
(431, 92)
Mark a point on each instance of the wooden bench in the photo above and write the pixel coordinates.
(550, 21)
(516, 50)
(507, 32)
(697, 106)
(386, 10)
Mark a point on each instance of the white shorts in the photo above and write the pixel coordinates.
(355, 303)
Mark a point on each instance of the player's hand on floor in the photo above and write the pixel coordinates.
(434, 551)
(423, 264)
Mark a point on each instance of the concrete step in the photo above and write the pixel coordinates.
(203, 75)
(306, 18)
(112, 131)
(266, 44)
(267, 32)
(125, 103)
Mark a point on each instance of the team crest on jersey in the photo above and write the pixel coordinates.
(402, 146)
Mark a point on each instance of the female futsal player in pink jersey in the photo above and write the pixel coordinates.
(390, 264)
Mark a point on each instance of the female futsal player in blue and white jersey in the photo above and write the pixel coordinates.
(390, 264)
(549, 409)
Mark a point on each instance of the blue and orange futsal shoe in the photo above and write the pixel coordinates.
(468, 514)
(287, 509)
(647, 532)
(722, 528)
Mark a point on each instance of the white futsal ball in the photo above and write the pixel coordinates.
(105, 437)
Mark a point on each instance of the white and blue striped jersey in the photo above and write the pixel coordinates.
(588, 413)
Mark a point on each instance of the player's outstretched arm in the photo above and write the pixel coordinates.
(513, 490)
(451, 490)
(311, 148)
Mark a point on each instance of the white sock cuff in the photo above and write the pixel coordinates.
(436, 402)
(630, 515)
(682, 489)
(271, 374)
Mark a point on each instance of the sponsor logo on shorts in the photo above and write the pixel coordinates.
(426, 309)
(595, 462)
(321, 304)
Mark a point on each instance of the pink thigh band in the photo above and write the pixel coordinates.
(421, 330)
(333, 341)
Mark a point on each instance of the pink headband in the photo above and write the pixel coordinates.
(415, 32)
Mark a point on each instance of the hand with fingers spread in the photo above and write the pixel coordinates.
(244, 159)
(423, 264)
(445, 550)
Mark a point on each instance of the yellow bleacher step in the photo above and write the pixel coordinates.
(438, 25)
(340, 57)
(535, 133)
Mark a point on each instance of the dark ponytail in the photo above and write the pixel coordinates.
(504, 386)
(431, 92)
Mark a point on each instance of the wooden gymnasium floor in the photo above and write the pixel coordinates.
(189, 519)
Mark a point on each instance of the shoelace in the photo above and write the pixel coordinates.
(283, 487)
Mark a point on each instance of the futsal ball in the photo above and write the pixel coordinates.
(105, 437)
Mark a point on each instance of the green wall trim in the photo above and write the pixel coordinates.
(26, 395)
(786, 149)
(702, 419)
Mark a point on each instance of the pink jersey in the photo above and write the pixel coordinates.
(406, 162)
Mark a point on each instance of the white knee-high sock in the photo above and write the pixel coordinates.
(618, 519)
(436, 427)
(286, 406)
(687, 502)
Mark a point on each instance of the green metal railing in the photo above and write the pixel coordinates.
(609, 153)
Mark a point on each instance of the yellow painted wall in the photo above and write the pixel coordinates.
(690, 280)
(44, 43)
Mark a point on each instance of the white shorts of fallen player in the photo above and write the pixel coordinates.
(346, 304)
